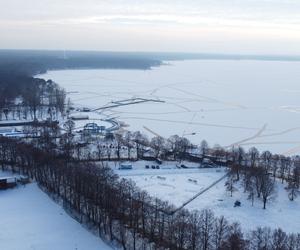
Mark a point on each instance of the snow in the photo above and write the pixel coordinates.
(280, 211)
(4, 174)
(247, 103)
(93, 117)
(140, 166)
(171, 184)
(30, 220)
(225, 102)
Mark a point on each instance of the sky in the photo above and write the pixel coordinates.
(211, 26)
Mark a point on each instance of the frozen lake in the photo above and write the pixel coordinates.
(248, 103)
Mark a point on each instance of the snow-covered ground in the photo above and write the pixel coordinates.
(280, 212)
(173, 185)
(251, 103)
(30, 220)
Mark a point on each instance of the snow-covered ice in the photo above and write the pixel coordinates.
(254, 103)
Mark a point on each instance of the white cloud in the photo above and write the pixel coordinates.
(233, 20)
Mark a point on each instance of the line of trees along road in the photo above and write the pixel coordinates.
(124, 214)
(259, 172)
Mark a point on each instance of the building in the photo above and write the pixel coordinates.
(93, 129)
(125, 166)
(11, 132)
(8, 182)
(79, 117)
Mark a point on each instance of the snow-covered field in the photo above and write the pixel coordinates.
(280, 211)
(171, 184)
(251, 103)
(174, 186)
(30, 220)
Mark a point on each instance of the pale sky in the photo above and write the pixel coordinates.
(215, 26)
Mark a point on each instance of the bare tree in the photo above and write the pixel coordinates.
(140, 143)
(230, 183)
(267, 188)
(221, 229)
(235, 239)
(260, 239)
(157, 143)
(294, 184)
(266, 157)
(283, 167)
(251, 189)
(253, 156)
(203, 148)
(279, 240)
(206, 229)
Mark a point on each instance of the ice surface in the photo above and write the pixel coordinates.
(254, 103)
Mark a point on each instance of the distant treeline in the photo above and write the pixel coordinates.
(31, 62)
(18, 68)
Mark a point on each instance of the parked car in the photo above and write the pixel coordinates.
(125, 166)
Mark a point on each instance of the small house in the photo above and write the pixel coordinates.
(8, 182)
(91, 129)
(11, 132)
